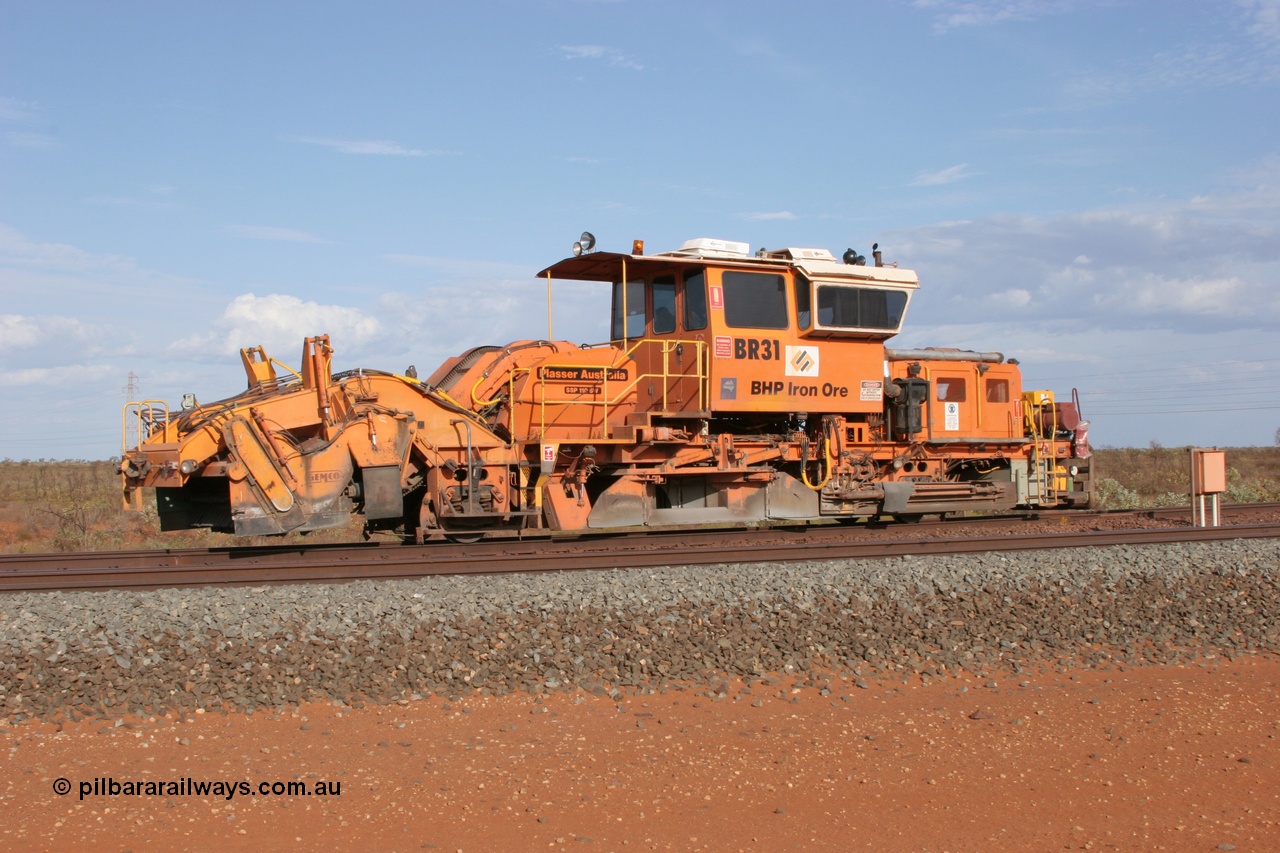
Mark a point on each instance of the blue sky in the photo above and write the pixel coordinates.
(1090, 187)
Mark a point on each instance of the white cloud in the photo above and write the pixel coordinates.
(34, 271)
(1215, 60)
(59, 333)
(778, 60)
(377, 147)
(80, 364)
(582, 51)
(1145, 294)
(1263, 19)
(462, 303)
(1014, 297)
(279, 323)
(30, 140)
(706, 191)
(17, 332)
(1190, 266)
(59, 377)
(267, 232)
(467, 269)
(953, 14)
(1189, 68)
(131, 202)
(14, 110)
(445, 319)
(949, 175)
(769, 217)
(598, 53)
(1162, 313)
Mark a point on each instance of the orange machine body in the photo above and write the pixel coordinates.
(732, 388)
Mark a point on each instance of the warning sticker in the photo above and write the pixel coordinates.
(872, 390)
(724, 346)
(951, 415)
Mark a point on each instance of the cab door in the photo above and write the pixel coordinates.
(688, 364)
(670, 357)
(670, 361)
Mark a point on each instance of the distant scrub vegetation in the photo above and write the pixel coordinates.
(1161, 476)
(48, 505)
(76, 505)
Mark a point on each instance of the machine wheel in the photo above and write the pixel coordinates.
(462, 534)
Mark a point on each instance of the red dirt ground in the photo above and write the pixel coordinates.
(1150, 758)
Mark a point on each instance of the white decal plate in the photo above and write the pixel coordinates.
(802, 361)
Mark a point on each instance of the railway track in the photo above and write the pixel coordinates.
(336, 563)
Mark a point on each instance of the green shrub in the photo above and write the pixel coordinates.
(1161, 476)
(1110, 494)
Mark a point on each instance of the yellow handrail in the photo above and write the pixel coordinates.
(607, 400)
(1031, 408)
(139, 407)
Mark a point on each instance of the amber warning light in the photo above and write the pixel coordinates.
(637, 247)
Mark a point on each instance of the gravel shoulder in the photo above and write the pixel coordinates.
(1125, 696)
(100, 654)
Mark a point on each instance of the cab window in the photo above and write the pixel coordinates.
(754, 300)
(695, 301)
(949, 388)
(804, 308)
(997, 390)
(634, 310)
(664, 304)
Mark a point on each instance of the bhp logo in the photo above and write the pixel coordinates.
(802, 361)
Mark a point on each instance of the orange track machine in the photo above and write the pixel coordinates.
(734, 387)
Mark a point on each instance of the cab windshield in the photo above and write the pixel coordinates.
(860, 308)
(754, 300)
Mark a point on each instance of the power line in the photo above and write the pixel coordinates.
(1167, 369)
(1093, 413)
(1259, 380)
(1165, 393)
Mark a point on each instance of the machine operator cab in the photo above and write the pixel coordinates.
(714, 329)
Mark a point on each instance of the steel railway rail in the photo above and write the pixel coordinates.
(336, 563)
